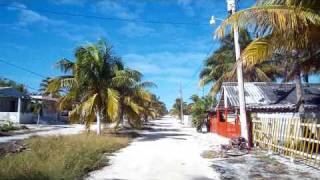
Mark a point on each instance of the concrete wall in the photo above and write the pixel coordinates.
(9, 116)
(26, 118)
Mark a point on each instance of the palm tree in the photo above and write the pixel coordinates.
(287, 27)
(89, 84)
(44, 86)
(153, 109)
(131, 93)
(220, 66)
(176, 108)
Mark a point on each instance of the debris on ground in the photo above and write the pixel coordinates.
(16, 147)
(12, 148)
(236, 147)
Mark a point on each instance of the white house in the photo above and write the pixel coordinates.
(14, 106)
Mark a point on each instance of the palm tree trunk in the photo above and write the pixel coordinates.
(145, 116)
(38, 121)
(121, 113)
(299, 88)
(98, 123)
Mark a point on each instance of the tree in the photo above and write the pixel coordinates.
(199, 110)
(176, 108)
(287, 27)
(9, 83)
(88, 84)
(220, 66)
(44, 86)
(131, 91)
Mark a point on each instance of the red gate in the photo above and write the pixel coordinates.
(221, 126)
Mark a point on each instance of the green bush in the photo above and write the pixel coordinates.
(60, 157)
(10, 126)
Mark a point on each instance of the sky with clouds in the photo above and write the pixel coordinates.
(34, 34)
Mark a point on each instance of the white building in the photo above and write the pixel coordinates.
(14, 106)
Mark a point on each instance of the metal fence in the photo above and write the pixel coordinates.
(288, 135)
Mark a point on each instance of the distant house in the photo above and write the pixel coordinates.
(14, 106)
(263, 99)
(49, 111)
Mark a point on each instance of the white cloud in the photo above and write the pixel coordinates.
(74, 32)
(115, 9)
(165, 64)
(134, 30)
(187, 7)
(70, 2)
(27, 16)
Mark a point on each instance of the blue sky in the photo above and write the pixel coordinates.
(166, 53)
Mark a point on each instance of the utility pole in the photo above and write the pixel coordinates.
(242, 103)
(181, 104)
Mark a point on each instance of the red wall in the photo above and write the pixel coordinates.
(226, 129)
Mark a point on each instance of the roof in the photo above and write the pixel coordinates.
(267, 95)
(11, 92)
(44, 98)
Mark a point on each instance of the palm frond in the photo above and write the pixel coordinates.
(112, 103)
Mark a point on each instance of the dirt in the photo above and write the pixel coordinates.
(257, 165)
(11, 148)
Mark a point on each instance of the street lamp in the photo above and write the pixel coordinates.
(231, 7)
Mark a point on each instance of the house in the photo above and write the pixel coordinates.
(274, 123)
(263, 99)
(49, 113)
(14, 106)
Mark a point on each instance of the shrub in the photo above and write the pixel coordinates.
(60, 157)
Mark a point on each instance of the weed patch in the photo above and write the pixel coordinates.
(60, 157)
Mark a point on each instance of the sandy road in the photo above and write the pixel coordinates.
(167, 152)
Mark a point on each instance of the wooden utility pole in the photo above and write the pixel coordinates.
(181, 103)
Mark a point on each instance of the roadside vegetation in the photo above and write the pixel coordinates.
(60, 157)
(97, 86)
(286, 36)
(10, 126)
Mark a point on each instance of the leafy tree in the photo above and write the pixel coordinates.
(199, 110)
(9, 83)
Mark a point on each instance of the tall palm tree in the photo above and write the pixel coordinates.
(289, 27)
(220, 66)
(89, 84)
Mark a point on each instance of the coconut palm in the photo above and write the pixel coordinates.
(176, 108)
(44, 86)
(153, 109)
(131, 93)
(287, 27)
(89, 84)
(220, 66)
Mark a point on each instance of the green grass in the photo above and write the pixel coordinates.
(9, 126)
(60, 157)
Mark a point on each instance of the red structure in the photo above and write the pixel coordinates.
(220, 124)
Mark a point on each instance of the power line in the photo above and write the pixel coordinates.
(22, 68)
(106, 18)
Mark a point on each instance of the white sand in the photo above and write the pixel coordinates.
(168, 152)
(45, 130)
